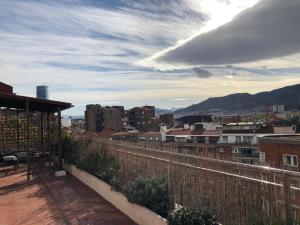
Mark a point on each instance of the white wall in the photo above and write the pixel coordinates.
(138, 214)
(232, 138)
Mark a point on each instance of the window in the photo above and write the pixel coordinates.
(238, 139)
(206, 140)
(225, 139)
(290, 160)
(262, 156)
(248, 139)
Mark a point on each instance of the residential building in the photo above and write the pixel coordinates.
(186, 121)
(98, 118)
(195, 142)
(197, 133)
(126, 136)
(66, 122)
(281, 151)
(231, 119)
(143, 118)
(78, 124)
(167, 119)
(207, 126)
(240, 140)
(181, 135)
(277, 108)
(150, 136)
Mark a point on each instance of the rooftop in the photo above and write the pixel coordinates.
(51, 200)
(35, 104)
(282, 139)
(189, 132)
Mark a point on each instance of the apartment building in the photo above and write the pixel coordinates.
(240, 140)
(281, 151)
(143, 118)
(196, 133)
(98, 118)
(190, 120)
(167, 119)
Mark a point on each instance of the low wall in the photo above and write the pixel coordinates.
(138, 214)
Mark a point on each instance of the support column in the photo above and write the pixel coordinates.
(42, 143)
(59, 139)
(48, 141)
(27, 141)
(18, 131)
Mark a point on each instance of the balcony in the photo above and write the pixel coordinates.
(253, 155)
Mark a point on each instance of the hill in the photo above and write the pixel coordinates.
(288, 96)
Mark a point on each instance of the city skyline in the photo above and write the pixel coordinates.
(135, 52)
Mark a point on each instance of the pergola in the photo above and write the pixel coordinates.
(33, 126)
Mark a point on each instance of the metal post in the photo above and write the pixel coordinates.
(59, 140)
(287, 197)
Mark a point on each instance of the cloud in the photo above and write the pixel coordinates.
(201, 73)
(86, 50)
(180, 99)
(268, 30)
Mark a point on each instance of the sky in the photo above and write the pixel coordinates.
(167, 53)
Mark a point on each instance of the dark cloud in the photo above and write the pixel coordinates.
(269, 29)
(201, 73)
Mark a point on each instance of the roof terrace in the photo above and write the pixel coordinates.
(47, 199)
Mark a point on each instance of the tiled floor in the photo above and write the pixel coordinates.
(51, 200)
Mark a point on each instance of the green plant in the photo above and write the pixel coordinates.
(71, 149)
(184, 216)
(258, 218)
(101, 165)
(151, 192)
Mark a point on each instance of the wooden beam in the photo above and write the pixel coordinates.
(27, 141)
(42, 136)
(18, 131)
(48, 140)
(59, 139)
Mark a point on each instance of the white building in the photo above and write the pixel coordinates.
(242, 138)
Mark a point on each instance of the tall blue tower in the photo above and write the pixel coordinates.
(42, 92)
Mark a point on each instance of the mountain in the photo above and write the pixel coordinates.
(288, 96)
(159, 111)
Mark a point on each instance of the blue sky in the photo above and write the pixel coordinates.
(132, 52)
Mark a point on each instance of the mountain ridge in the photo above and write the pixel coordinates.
(288, 96)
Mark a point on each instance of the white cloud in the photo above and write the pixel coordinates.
(88, 54)
(261, 35)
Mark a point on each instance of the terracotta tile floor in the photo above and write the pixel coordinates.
(50, 200)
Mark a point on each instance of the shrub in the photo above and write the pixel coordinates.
(151, 192)
(259, 218)
(184, 216)
(71, 149)
(101, 165)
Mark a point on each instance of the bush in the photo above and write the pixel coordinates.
(258, 218)
(101, 165)
(71, 149)
(152, 193)
(184, 216)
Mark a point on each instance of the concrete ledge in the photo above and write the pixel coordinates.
(60, 173)
(138, 214)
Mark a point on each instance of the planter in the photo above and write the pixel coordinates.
(138, 214)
